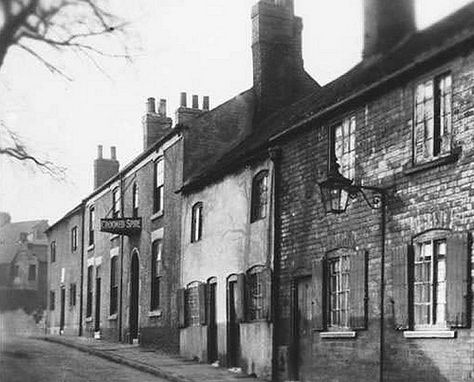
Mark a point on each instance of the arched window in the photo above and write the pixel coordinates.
(259, 284)
(135, 201)
(259, 196)
(196, 222)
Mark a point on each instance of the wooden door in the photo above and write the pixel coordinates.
(97, 301)
(134, 285)
(63, 306)
(303, 329)
(233, 328)
(212, 324)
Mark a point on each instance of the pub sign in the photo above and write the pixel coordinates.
(121, 226)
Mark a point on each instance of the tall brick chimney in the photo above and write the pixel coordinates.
(155, 125)
(104, 169)
(185, 113)
(278, 72)
(386, 23)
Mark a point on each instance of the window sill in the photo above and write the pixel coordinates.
(112, 317)
(334, 335)
(88, 319)
(90, 247)
(157, 215)
(411, 169)
(155, 313)
(429, 334)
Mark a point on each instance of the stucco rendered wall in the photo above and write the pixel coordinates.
(230, 245)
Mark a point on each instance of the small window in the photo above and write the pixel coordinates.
(90, 271)
(259, 196)
(91, 224)
(433, 118)
(32, 272)
(158, 195)
(135, 200)
(343, 147)
(74, 239)
(157, 248)
(114, 279)
(52, 300)
(196, 222)
(338, 291)
(53, 251)
(259, 293)
(116, 203)
(72, 295)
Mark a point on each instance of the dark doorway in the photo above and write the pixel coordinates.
(62, 313)
(212, 324)
(97, 300)
(233, 328)
(134, 285)
(303, 329)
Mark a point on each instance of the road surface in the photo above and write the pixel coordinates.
(30, 360)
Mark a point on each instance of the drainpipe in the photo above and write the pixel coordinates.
(122, 206)
(275, 154)
(81, 297)
(383, 202)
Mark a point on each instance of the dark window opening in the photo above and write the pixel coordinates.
(90, 271)
(157, 248)
(114, 278)
(32, 272)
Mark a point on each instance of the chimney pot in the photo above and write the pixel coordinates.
(113, 153)
(183, 99)
(205, 103)
(100, 151)
(195, 102)
(162, 108)
(150, 105)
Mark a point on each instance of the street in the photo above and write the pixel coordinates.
(29, 360)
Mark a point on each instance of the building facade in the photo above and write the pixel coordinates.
(64, 273)
(23, 267)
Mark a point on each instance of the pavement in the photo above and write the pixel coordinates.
(168, 366)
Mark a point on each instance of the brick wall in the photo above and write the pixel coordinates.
(440, 197)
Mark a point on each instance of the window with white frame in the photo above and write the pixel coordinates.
(196, 222)
(158, 194)
(116, 202)
(156, 253)
(53, 251)
(429, 297)
(338, 291)
(343, 146)
(114, 281)
(74, 239)
(91, 224)
(433, 118)
(135, 200)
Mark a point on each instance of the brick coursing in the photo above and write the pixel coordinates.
(440, 197)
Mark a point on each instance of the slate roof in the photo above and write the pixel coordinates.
(10, 236)
(427, 46)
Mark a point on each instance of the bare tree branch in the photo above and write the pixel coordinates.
(11, 145)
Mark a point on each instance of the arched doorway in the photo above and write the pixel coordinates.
(212, 350)
(134, 292)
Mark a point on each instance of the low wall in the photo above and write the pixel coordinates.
(256, 343)
(193, 342)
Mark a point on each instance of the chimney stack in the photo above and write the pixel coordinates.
(386, 23)
(155, 125)
(278, 73)
(104, 169)
(162, 108)
(150, 105)
(185, 114)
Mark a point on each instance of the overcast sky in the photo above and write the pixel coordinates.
(201, 47)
